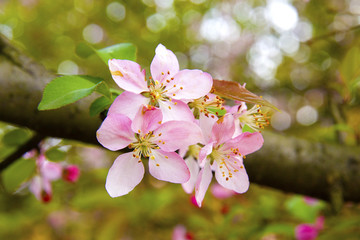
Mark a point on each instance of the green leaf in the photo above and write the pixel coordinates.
(350, 66)
(119, 51)
(83, 50)
(99, 105)
(17, 173)
(246, 128)
(55, 154)
(215, 110)
(233, 90)
(299, 209)
(64, 90)
(16, 137)
(104, 89)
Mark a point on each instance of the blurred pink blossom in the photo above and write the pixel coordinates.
(307, 231)
(71, 173)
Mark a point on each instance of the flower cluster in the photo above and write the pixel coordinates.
(173, 115)
(47, 172)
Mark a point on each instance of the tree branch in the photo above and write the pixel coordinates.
(286, 163)
(29, 145)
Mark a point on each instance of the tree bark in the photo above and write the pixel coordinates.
(329, 172)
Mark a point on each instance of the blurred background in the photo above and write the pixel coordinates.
(300, 55)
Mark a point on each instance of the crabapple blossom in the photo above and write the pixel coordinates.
(252, 117)
(71, 173)
(224, 154)
(307, 231)
(47, 172)
(169, 88)
(149, 138)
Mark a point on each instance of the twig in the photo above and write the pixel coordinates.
(330, 34)
(31, 144)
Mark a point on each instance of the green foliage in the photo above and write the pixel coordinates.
(246, 128)
(118, 51)
(99, 105)
(55, 154)
(17, 173)
(301, 210)
(64, 90)
(214, 110)
(16, 137)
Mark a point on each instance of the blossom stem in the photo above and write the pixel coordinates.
(29, 145)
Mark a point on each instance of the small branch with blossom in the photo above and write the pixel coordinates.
(175, 114)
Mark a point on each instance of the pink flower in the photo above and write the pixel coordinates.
(71, 173)
(253, 117)
(148, 138)
(180, 233)
(309, 231)
(225, 154)
(169, 88)
(41, 188)
(220, 192)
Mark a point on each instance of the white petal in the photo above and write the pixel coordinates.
(125, 173)
(168, 166)
(194, 171)
(202, 183)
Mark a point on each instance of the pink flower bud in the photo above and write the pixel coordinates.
(71, 173)
(306, 232)
(45, 196)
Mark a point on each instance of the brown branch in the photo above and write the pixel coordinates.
(29, 145)
(286, 163)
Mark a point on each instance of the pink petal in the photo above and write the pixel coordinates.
(220, 192)
(194, 171)
(168, 166)
(164, 65)
(51, 170)
(128, 104)
(179, 111)
(189, 84)
(179, 233)
(115, 132)
(239, 182)
(204, 152)
(125, 173)
(206, 125)
(246, 142)
(174, 135)
(147, 119)
(128, 75)
(41, 188)
(202, 183)
(305, 232)
(223, 129)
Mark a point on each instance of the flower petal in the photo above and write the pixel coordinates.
(147, 119)
(246, 143)
(189, 84)
(173, 135)
(128, 75)
(206, 125)
(223, 129)
(115, 132)
(176, 110)
(51, 170)
(164, 65)
(204, 152)
(239, 180)
(202, 183)
(194, 171)
(128, 104)
(168, 166)
(125, 173)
